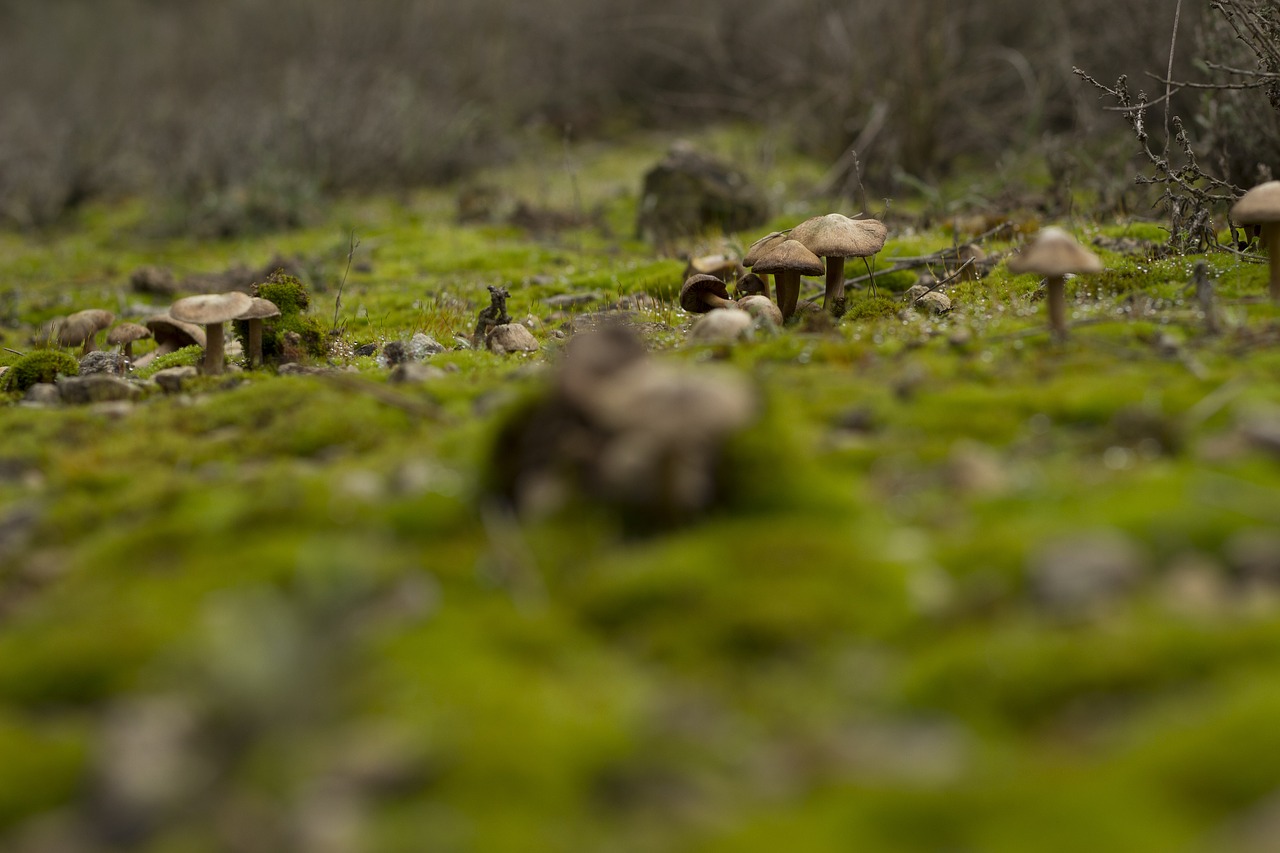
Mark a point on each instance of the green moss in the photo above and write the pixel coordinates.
(191, 356)
(38, 366)
(286, 292)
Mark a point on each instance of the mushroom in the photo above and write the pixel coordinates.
(123, 336)
(1261, 206)
(761, 307)
(760, 248)
(752, 284)
(1054, 254)
(258, 310)
(723, 267)
(170, 335)
(702, 293)
(211, 310)
(787, 261)
(835, 237)
(82, 326)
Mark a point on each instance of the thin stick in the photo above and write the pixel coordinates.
(1168, 86)
(14, 351)
(337, 303)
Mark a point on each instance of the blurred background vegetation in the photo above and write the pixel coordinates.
(238, 112)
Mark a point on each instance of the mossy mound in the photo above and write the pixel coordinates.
(287, 292)
(190, 356)
(40, 366)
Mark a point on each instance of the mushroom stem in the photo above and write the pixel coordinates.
(213, 349)
(1271, 240)
(255, 342)
(708, 299)
(1057, 307)
(788, 287)
(835, 283)
(89, 345)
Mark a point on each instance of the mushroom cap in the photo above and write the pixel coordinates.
(167, 330)
(750, 284)
(74, 330)
(209, 308)
(259, 309)
(760, 307)
(789, 256)
(762, 247)
(838, 236)
(1054, 252)
(693, 289)
(99, 318)
(1259, 205)
(127, 333)
(721, 266)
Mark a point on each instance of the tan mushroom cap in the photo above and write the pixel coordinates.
(127, 333)
(210, 308)
(259, 309)
(73, 331)
(762, 247)
(789, 256)
(837, 236)
(175, 333)
(693, 289)
(1259, 205)
(1054, 252)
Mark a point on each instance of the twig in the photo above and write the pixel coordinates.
(14, 351)
(337, 303)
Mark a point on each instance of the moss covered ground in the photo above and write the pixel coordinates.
(278, 612)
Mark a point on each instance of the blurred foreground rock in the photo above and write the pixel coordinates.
(621, 429)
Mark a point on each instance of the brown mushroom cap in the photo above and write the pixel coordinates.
(127, 333)
(762, 247)
(175, 333)
(789, 256)
(693, 289)
(1259, 205)
(99, 318)
(210, 308)
(259, 309)
(1054, 252)
(837, 236)
(73, 331)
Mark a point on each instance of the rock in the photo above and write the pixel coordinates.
(396, 352)
(722, 326)
(100, 362)
(42, 394)
(511, 337)
(1076, 575)
(95, 388)
(413, 372)
(689, 193)
(294, 369)
(366, 350)
(421, 346)
(927, 301)
(573, 300)
(172, 379)
(153, 281)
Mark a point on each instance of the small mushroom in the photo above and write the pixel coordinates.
(702, 293)
(170, 335)
(752, 284)
(760, 248)
(761, 307)
(835, 237)
(1261, 206)
(1054, 254)
(787, 261)
(723, 267)
(259, 310)
(212, 310)
(123, 336)
(82, 326)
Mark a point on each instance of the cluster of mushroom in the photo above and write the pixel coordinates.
(193, 321)
(787, 256)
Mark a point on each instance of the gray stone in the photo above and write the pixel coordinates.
(95, 388)
(511, 337)
(571, 300)
(928, 301)
(413, 372)
(1076, 575)
(43, 394)
(100, 361)
(294, 369)
(421, 346)
(172, 379)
